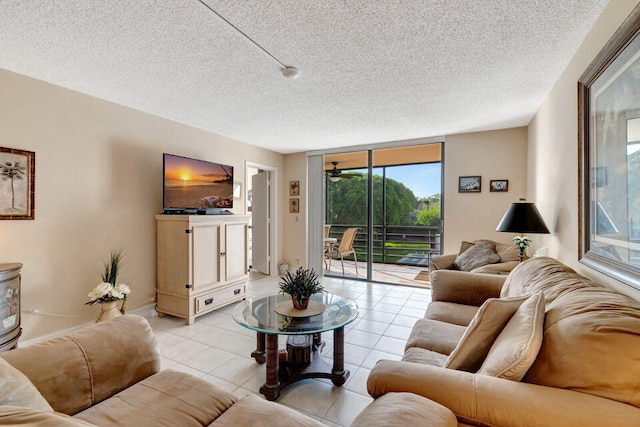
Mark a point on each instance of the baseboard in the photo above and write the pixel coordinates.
(144, 311)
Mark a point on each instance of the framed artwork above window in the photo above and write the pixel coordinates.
(609, 134)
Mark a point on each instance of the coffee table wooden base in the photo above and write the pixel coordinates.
(281, 374)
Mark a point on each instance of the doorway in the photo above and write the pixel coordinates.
(393, 197)
(260, 206)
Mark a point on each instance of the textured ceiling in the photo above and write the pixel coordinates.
(370, 70)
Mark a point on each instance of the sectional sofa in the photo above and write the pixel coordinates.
(543, 346)
(108, 374)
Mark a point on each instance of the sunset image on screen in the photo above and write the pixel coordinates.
(191, 183)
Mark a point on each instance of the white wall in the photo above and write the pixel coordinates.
(553, 148)
(492, 155)
(295, 229)
(98, 187)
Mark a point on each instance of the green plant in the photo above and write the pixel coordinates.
(521, 242)
(108, 290)
(301, 284)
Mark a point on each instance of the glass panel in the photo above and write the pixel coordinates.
(261, 314)
(405, 205)
(347, 201)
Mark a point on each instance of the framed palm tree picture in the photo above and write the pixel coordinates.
(17, 183)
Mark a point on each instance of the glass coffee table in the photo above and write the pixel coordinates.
(302, 358)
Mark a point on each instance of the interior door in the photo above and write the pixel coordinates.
(260, 221)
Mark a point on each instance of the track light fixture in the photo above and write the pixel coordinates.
(287, 70)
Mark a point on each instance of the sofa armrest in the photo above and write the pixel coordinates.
(465, 288)
(498, 268)
(405, 409)
(484, 400)
(441, 262)
(79, 369)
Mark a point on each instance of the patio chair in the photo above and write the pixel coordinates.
(345, 248)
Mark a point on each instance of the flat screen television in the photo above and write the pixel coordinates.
(196, 186)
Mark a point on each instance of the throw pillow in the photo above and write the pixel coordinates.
(486, 325)
(517, 346)
(476, 256)
(464, 246)
(17, 390)
(511, 253)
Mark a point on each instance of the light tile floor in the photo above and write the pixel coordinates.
(217, 349)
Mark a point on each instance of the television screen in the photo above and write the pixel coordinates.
(196, 184)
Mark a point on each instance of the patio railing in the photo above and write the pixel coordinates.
(409, 245)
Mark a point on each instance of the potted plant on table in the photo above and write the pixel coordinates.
(300, 285)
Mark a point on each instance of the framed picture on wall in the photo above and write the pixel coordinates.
(294, 188)
(17, 183)
(469, 184)
(294, 205)
(499, 185)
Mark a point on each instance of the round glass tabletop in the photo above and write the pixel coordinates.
(258, 314)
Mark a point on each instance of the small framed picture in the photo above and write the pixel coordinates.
(294, 205)
(17, 183)
(469, 184)
(499, 185)
(294, 188)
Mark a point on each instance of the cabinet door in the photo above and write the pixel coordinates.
(205, 261)
(236, 251)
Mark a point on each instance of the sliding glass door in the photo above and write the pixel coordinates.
(393, 197)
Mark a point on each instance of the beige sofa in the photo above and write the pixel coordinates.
(584, 370)
(108, 374)
(506, 261)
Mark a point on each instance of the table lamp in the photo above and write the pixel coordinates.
(522, 217)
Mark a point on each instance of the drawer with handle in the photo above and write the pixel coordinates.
(220, 297)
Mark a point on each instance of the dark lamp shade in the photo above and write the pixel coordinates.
(522, 217)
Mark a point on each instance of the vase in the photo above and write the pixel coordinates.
(108, 310)
(302, 305)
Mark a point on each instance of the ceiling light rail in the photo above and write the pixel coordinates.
(287, 71)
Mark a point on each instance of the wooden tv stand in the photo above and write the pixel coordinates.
(202, 263)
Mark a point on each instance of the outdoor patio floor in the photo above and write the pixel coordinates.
(389, 273)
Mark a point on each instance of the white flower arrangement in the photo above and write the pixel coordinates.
(108, 290)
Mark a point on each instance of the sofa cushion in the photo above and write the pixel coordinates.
(85, 366)
(464, 246)
(476, 256)
(426, 357)
(434, 335)
(508, 253)
(17, 390)
(405, 409)
(252, 411)
(599, 325)
(451, 312)
(517, 346)
(167, 398)
(479, 336)
(19, 415)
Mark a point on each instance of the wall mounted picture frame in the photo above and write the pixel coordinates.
(294, 188)
(17, 183)
(609, 156)
(499, 185)
(469, 184)
(294, 205)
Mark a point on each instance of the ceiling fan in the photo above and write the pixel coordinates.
(336, 175)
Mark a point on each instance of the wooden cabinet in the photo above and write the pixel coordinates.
(202, 263)
(10, 329)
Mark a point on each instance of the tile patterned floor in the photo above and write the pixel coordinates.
(217, 349)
